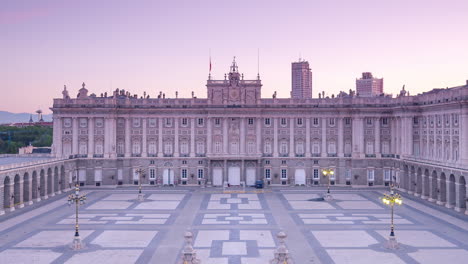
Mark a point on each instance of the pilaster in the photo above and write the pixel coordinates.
(90, 137)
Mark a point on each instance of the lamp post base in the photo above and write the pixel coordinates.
(141, 197)
(77, 244)
(392, 243)
(328, 197)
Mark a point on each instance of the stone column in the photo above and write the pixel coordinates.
(458, 201)
(225, 136)
(2, 202)
(144, 140)
(209, 138)
(192, 137)
(340, 137)
(447, 193)
(427, 156)
(463, 142)
(275, 137)
(377, 137)
(398, 136)
(291, 138)
(450, 138)
(259, 135)
(176, 137)
(112, 137)
(242, 137)
(21, 201)
(308, 154)
(160, 137)
(324, 137)
(90, 137)
(128, 144)
(57, 134)
(75, 136)
(434, 135)
(431, 190)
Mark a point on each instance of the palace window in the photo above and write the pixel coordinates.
(300, 147)
(168, 121)
(283, 121)
(217, 147)
(250, 121)
(152, 174)
(268, 173)
(370, 175)
(387, 175)
(385, 121)
(83, 122)
(136, 149)
(99, 149)
(267, 147)
(369, 121)
(217, 121)
(267, 121)
(200, 173)
(284, 173)
(316, 174)
(331, 121)
(347, 121)
(152, 147)
(136, 122)
(152, 122)
(300, 121)
(284, 147)
(183, 173)
(168, 148)
(184, 149)
(200, 121)
(251, 147)
(184, 121)
(315, 121)
(120, 147)
(200, 147)
(267, 162)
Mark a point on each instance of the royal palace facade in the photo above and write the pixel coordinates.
(419, 143)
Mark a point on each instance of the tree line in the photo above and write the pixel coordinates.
(13, 138)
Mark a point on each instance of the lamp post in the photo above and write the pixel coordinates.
(141, 173)
(78, 200)
(392, 199)
(328, 173)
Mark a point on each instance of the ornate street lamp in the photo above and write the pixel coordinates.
(328, 173)
(78, 200)
(392, 199)
(141, 173)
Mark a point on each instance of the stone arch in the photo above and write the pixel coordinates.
(17, 190)
(434, 189)
(426, 187)
(461, 201)
(62, 178)
(26, 187)
(419, 182)
(451, 191)
(49, 181)
(406, 179)
(56, 179)
(42, 183)
(412, 183)
(6, 192)
(443, 188)
(34, 189)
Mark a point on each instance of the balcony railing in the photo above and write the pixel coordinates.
(200, 155)
(98, 156)
(136, 155)
(370, 156)
(315, 154)
(332, 155)
(347, 155)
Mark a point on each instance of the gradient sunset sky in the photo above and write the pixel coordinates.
(164, 46)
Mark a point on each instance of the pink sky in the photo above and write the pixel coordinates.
(164, 46)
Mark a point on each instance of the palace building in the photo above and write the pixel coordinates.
(419, 143)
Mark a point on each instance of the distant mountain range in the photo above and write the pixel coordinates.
(8, 117)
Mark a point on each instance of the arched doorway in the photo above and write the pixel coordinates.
(443, 189)
(461, 194)
(42, 187)
(6, 193)
(434, 188)
(419, 182)
(451, 192)
(17, 190)
(412, 183)
(426, 186)
(49, 182)
(56, 179)
(406, 180)
(26, 187)
(62, 178)
(34, 189)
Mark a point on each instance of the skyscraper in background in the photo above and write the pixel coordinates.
(369, 86)
(301, 80)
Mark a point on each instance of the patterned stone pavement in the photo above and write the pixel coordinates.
(233, 228)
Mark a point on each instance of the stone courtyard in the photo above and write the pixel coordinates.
(233, 228)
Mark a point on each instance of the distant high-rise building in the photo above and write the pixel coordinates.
(301, 80)
(369, 86)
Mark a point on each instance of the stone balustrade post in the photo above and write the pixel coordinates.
(281, 252)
